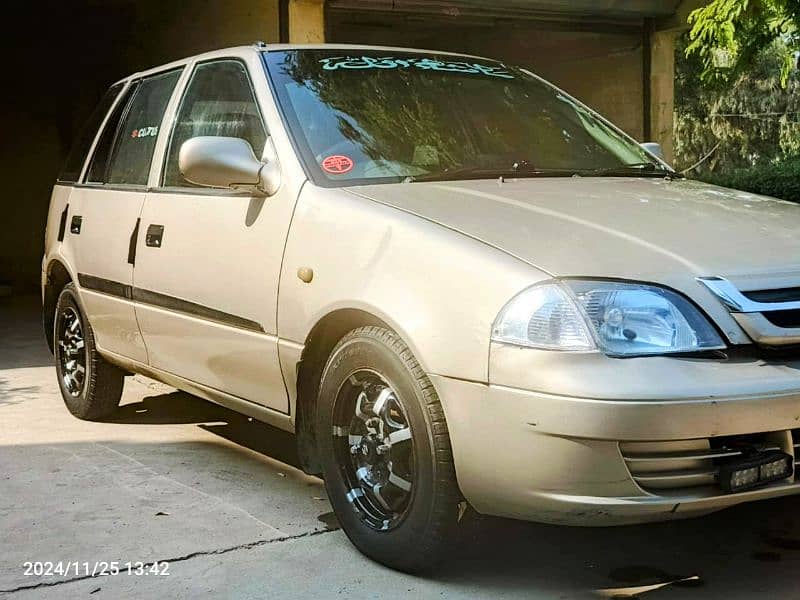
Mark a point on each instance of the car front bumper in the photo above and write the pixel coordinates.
(560, 458)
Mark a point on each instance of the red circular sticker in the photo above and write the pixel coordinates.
(337, 164)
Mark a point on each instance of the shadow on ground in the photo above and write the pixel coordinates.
(182, 408)
(752, 548)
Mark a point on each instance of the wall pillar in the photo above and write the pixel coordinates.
(306, 21)
(662, 73)
(662, 90)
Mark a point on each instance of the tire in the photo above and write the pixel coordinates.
(90, 386)
(403, 510)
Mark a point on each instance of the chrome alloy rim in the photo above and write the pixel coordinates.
(374, 449)
(72, 352)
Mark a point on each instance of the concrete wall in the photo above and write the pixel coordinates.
(60, 57)
(604, 70)
(306, 21)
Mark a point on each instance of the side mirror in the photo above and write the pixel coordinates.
(653, 148)
(226, 162)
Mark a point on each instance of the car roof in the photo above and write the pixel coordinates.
(262, 47)
(277, 47)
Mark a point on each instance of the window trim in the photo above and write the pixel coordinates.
(115, 187)
(202, 191)
(205, 191)
(123, 115)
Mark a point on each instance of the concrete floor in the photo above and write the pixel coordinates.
(173, 478)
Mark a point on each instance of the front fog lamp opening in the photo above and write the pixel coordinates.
(755, 471)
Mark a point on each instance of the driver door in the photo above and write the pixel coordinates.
(208, 262)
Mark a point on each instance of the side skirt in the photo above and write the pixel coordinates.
(240, 405)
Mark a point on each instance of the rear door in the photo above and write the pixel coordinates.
(105, 209)
(207, 273)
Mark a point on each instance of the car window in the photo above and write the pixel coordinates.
(80, 148)
(218, 101)
(136, 136)
(99, 165)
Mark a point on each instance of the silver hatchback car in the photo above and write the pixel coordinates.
(454, 282)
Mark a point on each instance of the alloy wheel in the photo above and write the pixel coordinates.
(72, 351)
(374, 448)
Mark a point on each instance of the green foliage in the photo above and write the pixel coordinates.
(780, 179)
(727, 35)
(755, 120)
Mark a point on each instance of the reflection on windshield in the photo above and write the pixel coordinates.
(373, 117)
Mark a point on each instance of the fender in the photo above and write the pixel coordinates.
(440, 290)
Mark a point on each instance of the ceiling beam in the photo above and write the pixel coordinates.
(574, 9)
(678, 21)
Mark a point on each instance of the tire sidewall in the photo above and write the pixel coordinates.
(385, 546)
(77, 405)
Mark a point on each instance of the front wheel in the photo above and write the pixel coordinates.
(385, 451)
(90, 386)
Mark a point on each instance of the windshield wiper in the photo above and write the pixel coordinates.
(525, 169)
(642, 169)
(488, 173)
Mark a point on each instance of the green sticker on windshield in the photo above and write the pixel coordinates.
(428, 64)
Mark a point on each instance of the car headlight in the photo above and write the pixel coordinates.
(617, 318)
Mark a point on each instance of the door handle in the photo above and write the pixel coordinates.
(75, 224)
(132, 243)
(62, 224)
(154, 236)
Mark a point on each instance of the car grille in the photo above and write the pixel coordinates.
(787, 319)
(770, 317)
(686, 466)
(779, 295)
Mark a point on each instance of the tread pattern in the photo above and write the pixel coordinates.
(103, 388)
(444, 516)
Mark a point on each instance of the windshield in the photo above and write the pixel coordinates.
(371, 116)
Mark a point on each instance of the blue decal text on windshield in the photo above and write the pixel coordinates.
(389, 62)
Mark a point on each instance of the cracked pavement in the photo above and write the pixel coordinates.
(174, 478)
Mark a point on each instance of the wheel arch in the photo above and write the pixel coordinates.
(322, 338)
(58, 276)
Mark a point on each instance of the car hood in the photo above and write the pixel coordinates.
(633, 228)
(644, 229)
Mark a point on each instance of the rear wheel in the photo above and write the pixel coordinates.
(386, 453)
(90, 386)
